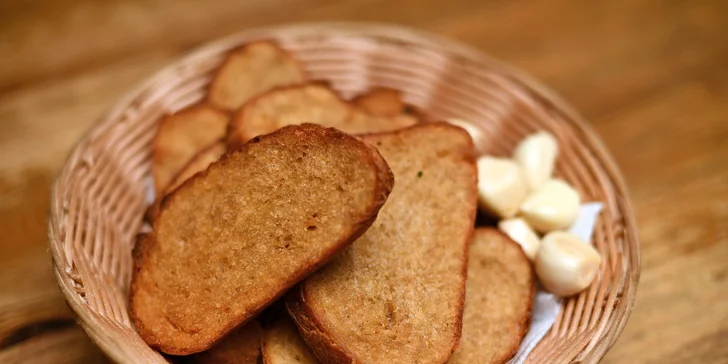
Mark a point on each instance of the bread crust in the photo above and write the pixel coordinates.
(171, 338)
(325, 346)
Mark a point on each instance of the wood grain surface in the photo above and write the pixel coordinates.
(651, 76)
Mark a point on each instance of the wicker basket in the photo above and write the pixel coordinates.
(99, 197)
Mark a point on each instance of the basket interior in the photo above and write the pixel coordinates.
(100, 196)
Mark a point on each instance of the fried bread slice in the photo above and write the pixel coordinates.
(198, 163)
(283, 345)
(182, 135)
(250, 71)
(498, 299)
(396, 295)
(381, 102)
(232, 239)
(310, 103)
(388, 102)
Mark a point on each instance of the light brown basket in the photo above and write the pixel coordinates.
(99, 198)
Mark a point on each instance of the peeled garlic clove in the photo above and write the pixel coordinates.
(518, 230)
(565, 264)
(537, 155)
(553, 206)
(501, 187)
(474, 132)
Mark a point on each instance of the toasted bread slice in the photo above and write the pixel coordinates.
(311, 103)
(381, 102)
(242, 346)
(388, 102)
(198, 163)
(252, 70)
(365, 123)
(283, 345)
(232, 239)
(182, 135)
(498, 299)
(396, 295)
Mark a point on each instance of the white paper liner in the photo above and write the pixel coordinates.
(148, 200)
(546, 306)
(149, 190)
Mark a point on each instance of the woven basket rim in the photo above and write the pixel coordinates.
(536, 89)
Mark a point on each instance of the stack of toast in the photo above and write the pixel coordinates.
(293, 226)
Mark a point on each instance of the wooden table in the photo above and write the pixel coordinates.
(651, 76)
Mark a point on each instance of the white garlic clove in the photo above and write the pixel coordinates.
(553, 206)
(537, 155)
(501, 187)
(518, 230)
(565, 264)
(475, 133)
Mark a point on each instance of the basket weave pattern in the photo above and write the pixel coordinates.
(99, 197)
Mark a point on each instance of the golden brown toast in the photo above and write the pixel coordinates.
(198, 163)
(283, 345)
(310, 103)
(388, 102)
(182, 135)
(242, 346)
(498, 299)
(232, 239)
(396, 295)
(252, 70)
(381, 102)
